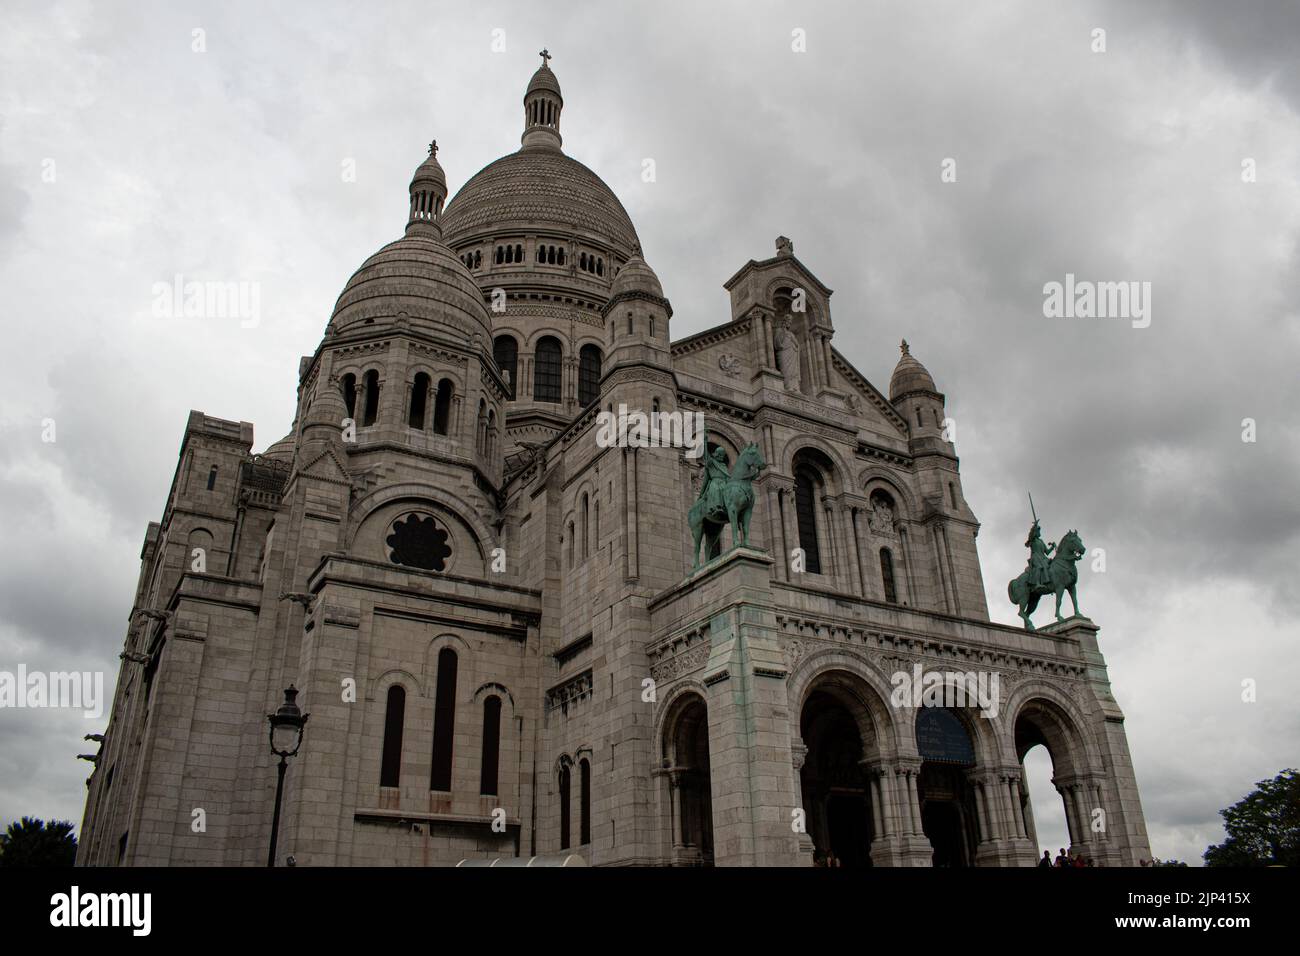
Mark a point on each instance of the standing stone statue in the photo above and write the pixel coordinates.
(787, 356)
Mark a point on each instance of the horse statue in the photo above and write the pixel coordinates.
(724, 501)
(1056, 576)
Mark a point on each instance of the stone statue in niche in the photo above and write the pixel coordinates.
(882, 515)
(787, 356)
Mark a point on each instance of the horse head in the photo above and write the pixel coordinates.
(749, 463)
(1071, 546)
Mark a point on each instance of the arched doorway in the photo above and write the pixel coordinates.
(949, 817)
(686, 760)
(839, 801)
(1042, 730)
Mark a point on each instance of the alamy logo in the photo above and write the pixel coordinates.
(651, 430)
(1083, 299)
(82, 690)
(208, 300)
(947, 689)
(102, 909)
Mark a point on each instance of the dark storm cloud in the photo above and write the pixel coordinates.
(1123, 165)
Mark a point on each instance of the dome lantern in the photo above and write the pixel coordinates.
(542, 106)
(428, 194)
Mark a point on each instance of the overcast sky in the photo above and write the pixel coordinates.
(1125, 165)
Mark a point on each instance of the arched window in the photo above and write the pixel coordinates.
(585, 527)
(350, 394)
(547, 371)
(564, 805)
(478, 258)
(491, 432)
(491, 746)
(480, 438)
(419, 399)
(372, 398)
(550, 255)
(390, 770)
(444, 721)
(887, 575)
(212, 478)
(589, 359)
(584, 801)
(505, 352)
(571, 537)
(582, 261)
(629, 323)
(442, 407)
(519, 253)
(500, 255)
(559, 257)
(806, 483)
(600, 267)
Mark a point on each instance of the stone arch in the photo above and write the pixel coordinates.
(686, 796)
(464, 659)
(811, 314)
(985, 733)
(488, 689)
(421, 493)
(1063, 725)
(394, 675)
(800, 442)
(873, 707)
(871, 479)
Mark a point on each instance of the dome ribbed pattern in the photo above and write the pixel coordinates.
(636, 276)
(536, 189)
(909, 376)
(419, 275)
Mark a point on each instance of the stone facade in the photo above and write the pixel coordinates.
(494, 620)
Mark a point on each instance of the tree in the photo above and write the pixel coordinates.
(1264, 828)
(32, 842)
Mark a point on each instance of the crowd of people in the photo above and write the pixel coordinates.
(1064, 859)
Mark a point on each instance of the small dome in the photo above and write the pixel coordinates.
(281, 450)
(545, 80)
(909, 376)
(636, 276)
(417, 275)
(430, 171)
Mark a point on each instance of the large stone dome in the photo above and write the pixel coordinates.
(539, 188)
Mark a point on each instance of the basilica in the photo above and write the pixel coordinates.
(506, 637)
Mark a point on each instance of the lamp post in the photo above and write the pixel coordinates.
(286, 737)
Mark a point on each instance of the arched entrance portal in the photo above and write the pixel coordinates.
(1041, 723)
(686, 760)
(837, 796)
(949, 816)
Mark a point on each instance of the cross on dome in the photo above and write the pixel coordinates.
(433, 149)
(546, 58)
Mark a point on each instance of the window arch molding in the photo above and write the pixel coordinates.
(873, 480)
(376, 511)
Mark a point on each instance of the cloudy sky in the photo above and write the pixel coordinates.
(128, 157)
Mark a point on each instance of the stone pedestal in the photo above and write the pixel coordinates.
(1118, 835)
(753, 783)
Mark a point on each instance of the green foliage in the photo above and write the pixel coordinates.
(1264, 828)
(32, 842)
(1156, 861)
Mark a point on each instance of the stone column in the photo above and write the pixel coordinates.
(776, 536)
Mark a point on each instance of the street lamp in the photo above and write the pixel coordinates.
(286, 737)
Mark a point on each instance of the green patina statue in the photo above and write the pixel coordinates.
(1047, 573)
(725, 498)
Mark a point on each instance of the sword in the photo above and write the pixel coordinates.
(1031, 507)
